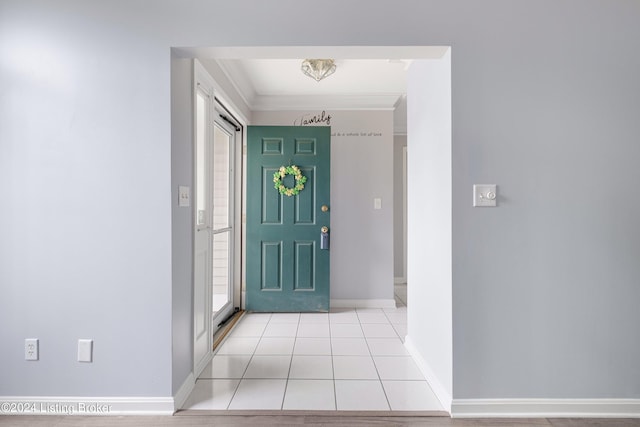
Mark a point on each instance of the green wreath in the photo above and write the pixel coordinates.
(279, 175)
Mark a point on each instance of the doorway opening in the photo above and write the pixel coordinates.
(439, 371)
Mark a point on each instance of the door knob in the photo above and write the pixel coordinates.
(324, 208)
(324, 229)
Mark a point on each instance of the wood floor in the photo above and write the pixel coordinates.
(303, 419)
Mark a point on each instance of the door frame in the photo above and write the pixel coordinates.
(219, 104)
(444, 286)
(316, 164)
(202, 329)
(218, 113)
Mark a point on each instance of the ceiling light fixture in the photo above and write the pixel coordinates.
(318, 69)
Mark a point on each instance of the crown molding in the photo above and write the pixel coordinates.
(333, 102)
(239, 80)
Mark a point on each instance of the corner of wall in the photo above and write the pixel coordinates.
(432, 379)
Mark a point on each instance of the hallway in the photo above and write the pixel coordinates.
(348, 359)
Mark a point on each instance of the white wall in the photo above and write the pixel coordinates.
(429, 241)
(361, 170)
(544, 104)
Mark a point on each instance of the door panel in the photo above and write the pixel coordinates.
(271, 207)
(271, 265)
(303, 265)
(222, 145)
(221, 227)
(305, 201)
(286, 269)
(201, 309)
(221, 270)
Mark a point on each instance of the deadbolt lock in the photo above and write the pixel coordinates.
(324, 208)
(324, 238)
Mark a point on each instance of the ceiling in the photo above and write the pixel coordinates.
(282, 77)
(269, 78)
(277, 84)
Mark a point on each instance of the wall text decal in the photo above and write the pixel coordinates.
(313, 119)
(367, 134)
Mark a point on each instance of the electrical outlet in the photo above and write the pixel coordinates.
(31, 349)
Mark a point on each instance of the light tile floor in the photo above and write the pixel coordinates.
(348, 359)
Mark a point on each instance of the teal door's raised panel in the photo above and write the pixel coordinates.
(303, 264)
(272, 146)
(305, 146)
(304, 203)
(271, 264)
(271, 207)
(286, 269)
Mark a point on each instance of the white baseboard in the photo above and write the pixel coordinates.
(65, 405)
(545, 408)
(399, 280)
(184, 391)
(439, 390)
(362, 303)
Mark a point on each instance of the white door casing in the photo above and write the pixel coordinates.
(215, 233)
(202, 257)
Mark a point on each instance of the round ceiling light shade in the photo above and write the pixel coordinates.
(318, 69)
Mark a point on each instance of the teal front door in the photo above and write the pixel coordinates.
(287, 256)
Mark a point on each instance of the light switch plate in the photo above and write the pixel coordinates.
(184, 196)
(485, 195)
(377, 203)
(85, 350)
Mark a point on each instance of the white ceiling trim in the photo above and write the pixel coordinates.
(239, 80)
(325, 102)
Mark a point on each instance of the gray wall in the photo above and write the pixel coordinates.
(545, 104)
(182, 160)
(545, 290)
(399, 142)
(85, 217)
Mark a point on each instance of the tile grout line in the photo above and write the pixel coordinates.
(376, 367)
(245, 369)
(295, 339)
(333, 368)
